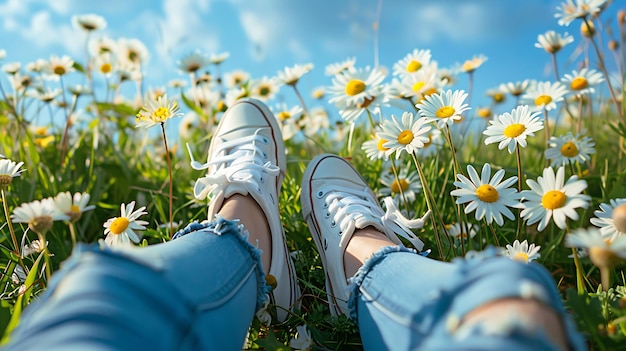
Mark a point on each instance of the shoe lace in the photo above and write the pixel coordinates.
(352, 208)
(235, 161)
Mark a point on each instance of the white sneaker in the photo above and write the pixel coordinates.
(336, 201)
(247, 157)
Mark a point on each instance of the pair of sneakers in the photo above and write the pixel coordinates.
(247, 157)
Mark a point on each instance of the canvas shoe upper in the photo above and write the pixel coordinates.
(247, 157)
(336, 201)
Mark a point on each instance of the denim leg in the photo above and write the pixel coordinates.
(404, 301)
(199, 291)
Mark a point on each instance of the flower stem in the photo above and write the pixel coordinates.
(605, 277)
(607, 78)
(306, 111)
(11, 230)
(169, 170)
(432, 206)
(580, 284)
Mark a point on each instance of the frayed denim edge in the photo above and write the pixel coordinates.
(222, 226)
(356, 280)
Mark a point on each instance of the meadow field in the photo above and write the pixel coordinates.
(543, 181)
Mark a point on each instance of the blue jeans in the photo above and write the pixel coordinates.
(200, 292)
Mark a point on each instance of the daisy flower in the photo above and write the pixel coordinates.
(434, 143)
(374, 148)
(516, 88)
(11, 67)
(263, 89)
(236, 78)
(604, 219)
(356, 87)
(569, 149)
(573, 9)
(544, 95)
(3, 54)
(193, 62)
(470, 66)
(302, 340)
(552, 42)
(523, 252)
(288, 119)
(60, 66)
(457, 231)
(103, 64)
(412, 63)
(408, 134)
(121, 230)
(101, 45)
(316, 120)
(489, 197)
(550, 196)
(351, 113)
(291, 75)
(583, 81)
(334, 69)
(157, 112)
(498, 95)
(406, 186)
(132, 51)
(417, 85)
(8, 171)
(216, 59)
(603, 252)
(512, 129)
(40, 215)
(89, 22)
(73, 206)
(444, 108)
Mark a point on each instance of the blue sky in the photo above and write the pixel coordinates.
(264, 36)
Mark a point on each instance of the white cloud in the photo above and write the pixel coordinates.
(42, 32)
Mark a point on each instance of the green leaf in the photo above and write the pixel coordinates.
(22, 300)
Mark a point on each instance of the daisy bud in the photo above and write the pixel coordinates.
(619, 217)
(621, 17)
(587, 29)
(613, 45)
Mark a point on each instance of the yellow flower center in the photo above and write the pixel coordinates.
(405, 137)
(354, 87)
(514, 130)
(382, 142)
(5, 180)
(498, 97)
(484, 112)
(579, 83)
(41, 224)
(59, 70)
(521, 257)
(413, 66)
(400, 185)
(418, 86)
(106, 68)
(569, 149)
(553, 199)
(429, 142)
(543, 100)
(264, 90)
(445, 112)
(119, 225)
(74, 213)
(284, 115)
(161, 114)
(487, 193)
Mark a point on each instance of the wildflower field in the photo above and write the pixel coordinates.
(544, 181)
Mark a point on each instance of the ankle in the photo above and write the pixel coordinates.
(363, 244)
(251, 216)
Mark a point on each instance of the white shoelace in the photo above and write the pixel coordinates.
(351, 209)
(236, 161)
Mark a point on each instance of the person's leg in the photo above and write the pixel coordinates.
(405, 301)
(198, 291)
(402, 300)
